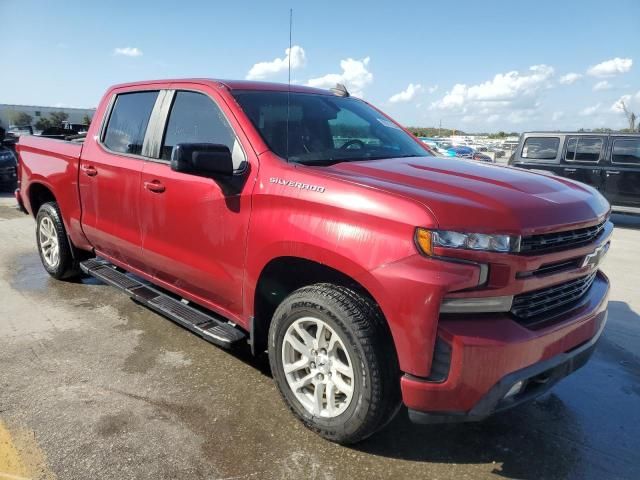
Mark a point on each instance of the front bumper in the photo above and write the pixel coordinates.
(490, 355)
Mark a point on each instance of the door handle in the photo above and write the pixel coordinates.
(89, 170)
(613, 172)
(154, 186)
(569, 170)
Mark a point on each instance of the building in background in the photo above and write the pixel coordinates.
(8, 113)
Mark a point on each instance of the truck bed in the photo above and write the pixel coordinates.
(48, 165)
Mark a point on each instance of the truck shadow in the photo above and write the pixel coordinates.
(516, 444)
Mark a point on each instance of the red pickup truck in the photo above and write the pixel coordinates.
(311, 225)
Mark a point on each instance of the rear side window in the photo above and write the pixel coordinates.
(195, 118)
(583, 149)
(626, 151)
(128, 122)
(541, 148)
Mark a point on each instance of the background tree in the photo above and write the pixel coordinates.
(433, 131)
(631, 117)
(43, 123)
(20, 118)
(56, 118)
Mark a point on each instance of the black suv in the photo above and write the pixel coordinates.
(607, 162)
(8, 163)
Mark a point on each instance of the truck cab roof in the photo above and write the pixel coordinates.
(230, 85)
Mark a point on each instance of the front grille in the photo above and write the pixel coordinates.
(560, 240)
(552, 268)
(528, 307)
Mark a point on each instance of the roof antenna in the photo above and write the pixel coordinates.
(289, 82)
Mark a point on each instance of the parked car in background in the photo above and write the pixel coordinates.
(610, 163)
(8, 169)
(481, 157)
(461, 152)
(17, 130)
(443, 149)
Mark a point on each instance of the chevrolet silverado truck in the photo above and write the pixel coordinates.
(309, 224)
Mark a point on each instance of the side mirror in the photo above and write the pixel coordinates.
(204, 159)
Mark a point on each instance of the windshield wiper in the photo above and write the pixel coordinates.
(323, 161)
(333, 161)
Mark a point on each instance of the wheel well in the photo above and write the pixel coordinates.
(280, 277)
(39, 194)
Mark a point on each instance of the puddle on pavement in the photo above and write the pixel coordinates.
(28, 275)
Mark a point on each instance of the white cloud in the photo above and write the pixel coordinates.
(602, 85)
(407, 94)
(355, 76)
(610, 68)
(432, 89)
(557, 116)
(505, 90)
(493, 118)
(128, 51)
(263, 70)
(570, 78)
(585, 112)
(631, 101)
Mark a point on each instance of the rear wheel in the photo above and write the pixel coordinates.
(334, 363)
(53, 245)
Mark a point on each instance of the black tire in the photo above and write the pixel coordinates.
(67, 264)
(363, 331)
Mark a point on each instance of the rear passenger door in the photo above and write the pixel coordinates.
(584, 160)
(109, 178)
(622, 178)
(194, 228)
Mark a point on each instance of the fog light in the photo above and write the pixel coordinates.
(476, 305)
(515, 389)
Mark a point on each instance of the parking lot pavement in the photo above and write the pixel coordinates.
(93, 385)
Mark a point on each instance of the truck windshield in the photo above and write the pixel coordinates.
(325, 129)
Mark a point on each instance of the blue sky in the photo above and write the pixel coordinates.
(474, 65)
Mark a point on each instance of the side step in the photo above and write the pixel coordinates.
(215, 330)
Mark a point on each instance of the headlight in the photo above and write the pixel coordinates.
(428, 239)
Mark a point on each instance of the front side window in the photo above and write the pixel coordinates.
(128, 122)
(541, 148)
(195, 118)
(584, 149)
(318, 129)
(626, 151)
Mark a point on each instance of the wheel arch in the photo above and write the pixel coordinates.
(275, 282)
(37, 195)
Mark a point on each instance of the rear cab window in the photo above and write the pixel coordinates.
(128, 121)
(584, 149)
(626, 151)
(541, 148)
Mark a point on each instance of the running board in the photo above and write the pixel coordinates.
(212, 329)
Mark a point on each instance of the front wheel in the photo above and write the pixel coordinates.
(334, 363)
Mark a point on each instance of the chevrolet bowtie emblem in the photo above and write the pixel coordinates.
(593, 259)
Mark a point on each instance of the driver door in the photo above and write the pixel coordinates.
(194, 228)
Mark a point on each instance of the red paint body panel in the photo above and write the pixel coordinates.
(210, 245)
(487, 349)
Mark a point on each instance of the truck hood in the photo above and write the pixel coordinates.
(473, 196)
